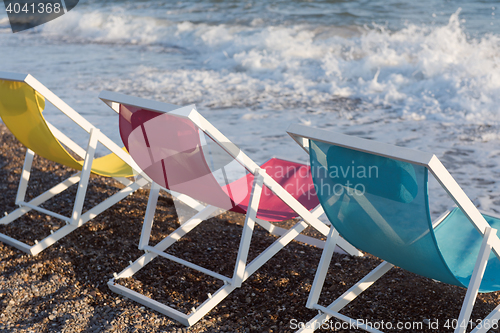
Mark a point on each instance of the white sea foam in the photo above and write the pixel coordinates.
(4, 25)
(422, 72)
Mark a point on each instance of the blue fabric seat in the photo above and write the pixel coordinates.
(459, 243)
(380, 205)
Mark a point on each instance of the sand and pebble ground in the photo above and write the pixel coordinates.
(63, 289)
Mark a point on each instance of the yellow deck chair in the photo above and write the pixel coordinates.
(22, 100)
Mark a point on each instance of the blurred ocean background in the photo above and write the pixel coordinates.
(421, 74)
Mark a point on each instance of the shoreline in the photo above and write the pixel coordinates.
(63, 289)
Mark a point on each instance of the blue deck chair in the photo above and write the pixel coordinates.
(376, 197)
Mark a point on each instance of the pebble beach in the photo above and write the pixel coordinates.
(64, 288)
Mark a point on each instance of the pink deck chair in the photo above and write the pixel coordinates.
(183, 153)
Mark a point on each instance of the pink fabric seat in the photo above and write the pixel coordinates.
(169, 150)
(293, 177)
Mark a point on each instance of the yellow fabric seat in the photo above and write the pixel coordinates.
(22, 101)
(21, 110)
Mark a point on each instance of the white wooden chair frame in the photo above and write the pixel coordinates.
(301, 134)
(242, 270)
(77, 219)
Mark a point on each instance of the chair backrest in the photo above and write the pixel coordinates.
(380, 206)
(169, 150)
(183, 152)
(179, 149)
(21, 109)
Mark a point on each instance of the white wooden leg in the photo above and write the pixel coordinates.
(85, 175)
(324, 263)
(475, 281)
(246, 236)
(149, 216)
(25, 176)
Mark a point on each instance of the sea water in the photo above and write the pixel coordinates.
(420, 74)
